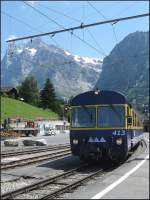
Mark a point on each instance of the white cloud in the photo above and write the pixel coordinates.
(11, 37)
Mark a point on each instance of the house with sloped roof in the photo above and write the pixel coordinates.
(10, 91)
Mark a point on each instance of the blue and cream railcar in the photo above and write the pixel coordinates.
(103, 123)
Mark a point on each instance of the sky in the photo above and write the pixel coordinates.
(98, 40)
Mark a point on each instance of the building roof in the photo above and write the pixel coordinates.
(7, 89)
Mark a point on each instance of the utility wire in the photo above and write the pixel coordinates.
(97, 10)
(100, 13)
(31, 27)
(114, 33)
(37, 10)
(60, 13)
(20, 21)
(26, 24)
(127, 8)
(76, 20)
(96, 42)
(81, 26)
(115, 36)
(88, 44)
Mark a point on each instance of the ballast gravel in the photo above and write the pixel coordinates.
(15, 184)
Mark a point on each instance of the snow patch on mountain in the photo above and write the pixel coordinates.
(19, 50)
(77, 58)
(84, 60)
(32, 51)
(77, 74)
(87, 60)
(90, 60)
(67, 53)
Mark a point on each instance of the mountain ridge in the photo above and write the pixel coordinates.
(77, 74)
(126, 68)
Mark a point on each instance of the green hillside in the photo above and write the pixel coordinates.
(11, 108)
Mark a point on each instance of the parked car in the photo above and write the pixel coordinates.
(49, 131)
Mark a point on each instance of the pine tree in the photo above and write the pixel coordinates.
(29, 91)
(48, 97)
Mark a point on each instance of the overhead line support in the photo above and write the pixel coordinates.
(80, 27)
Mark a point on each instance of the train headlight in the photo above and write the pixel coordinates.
(75, 141)
(119, 141)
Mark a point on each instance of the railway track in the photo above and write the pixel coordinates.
(26, 161)
(54, 186)
(33, 150)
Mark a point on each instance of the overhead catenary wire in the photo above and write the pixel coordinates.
(71, 31)
(60, 13)
(116, 40)
(101, 14)
(96, 42)
(76, 20)
(29, 26)
(83, 26)
(111, 24)
(46, 16)
(20, 21)
(115, 37)
(127, 8)
(97, 10)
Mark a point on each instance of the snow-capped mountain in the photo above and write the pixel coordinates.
(70, 74)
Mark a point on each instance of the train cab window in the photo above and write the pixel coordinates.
(83, 117)
(111, 116)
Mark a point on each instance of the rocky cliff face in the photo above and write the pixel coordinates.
(70, 74)
(126, 69)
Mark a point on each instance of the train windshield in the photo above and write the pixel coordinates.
(84, 117)
(111, 116)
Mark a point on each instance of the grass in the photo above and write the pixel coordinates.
(11, 108)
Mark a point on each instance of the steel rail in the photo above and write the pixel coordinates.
(37, 184)
(31, 160)
(30, 148)
(10, 154)
(80, 27)
(72, 185)
(45, 182)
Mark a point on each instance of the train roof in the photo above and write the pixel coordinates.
(99, 97)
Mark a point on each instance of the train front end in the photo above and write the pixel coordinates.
(103, 124)
(98, 131)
